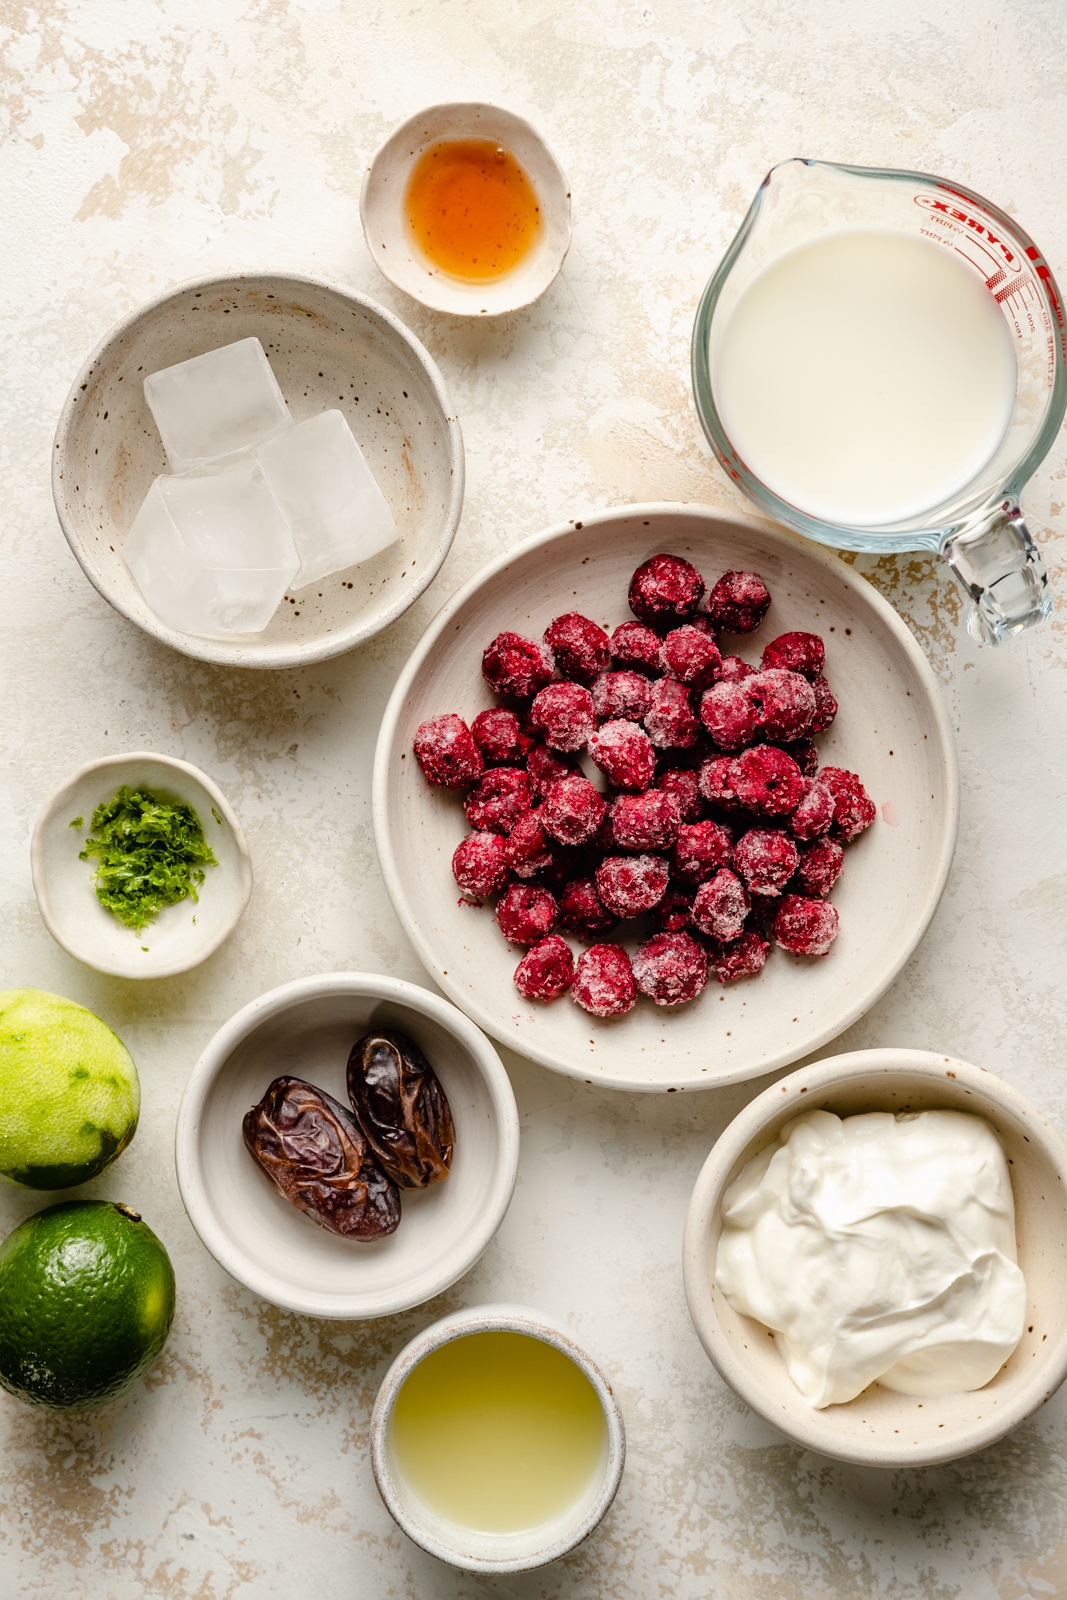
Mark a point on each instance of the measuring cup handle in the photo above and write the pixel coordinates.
(999, 567)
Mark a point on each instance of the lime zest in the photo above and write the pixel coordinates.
(152, 853)
(79, 822)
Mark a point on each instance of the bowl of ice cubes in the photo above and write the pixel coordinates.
(261, 471)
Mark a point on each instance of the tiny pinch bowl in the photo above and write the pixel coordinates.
(892, 729)
(306, 1029)
(394, 250)
(880, 1428)
(330, 349)
(182, 935)
(468, 1548)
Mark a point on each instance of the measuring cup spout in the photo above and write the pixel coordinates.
(999, 567)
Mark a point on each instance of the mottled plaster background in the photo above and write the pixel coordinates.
(154, 140)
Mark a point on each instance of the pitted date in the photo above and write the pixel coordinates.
(401, 1107)
(315, 1154)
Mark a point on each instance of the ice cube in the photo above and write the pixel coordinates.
(212, 553)
(227, 399)
(337, 512)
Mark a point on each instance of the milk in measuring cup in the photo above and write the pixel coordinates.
(865, 376)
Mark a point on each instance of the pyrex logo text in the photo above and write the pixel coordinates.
(930, 204)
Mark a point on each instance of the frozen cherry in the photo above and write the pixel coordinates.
(815, 812)
(479, 864)
(733, 669)
(684, 789)
(691, 655)
(741, 958)
(731, 713)
(637, 647)
(527, 851)
(785, 703)
(674, 912)
(854, 810)
(621, 694)
(665, 590)
(670, 968)
(625, 753)
(699, 850)
(546, 767)
(447, 753)
(670, 721)
(604, 981)
(501, 737)
(581, 910)
(767, 781)
(721, 906)
(820, 866)
(526, 913)
(716, 780)
(580, 647)
(546, 970)
(825, 706)
(738, 603)
(501, 796)
(564, 713)
(573, 810)
(629, 885)
(765, 859)
(517, 667)
(647, 821)
(796, 652)
(805, 927)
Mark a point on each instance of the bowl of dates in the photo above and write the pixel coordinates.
(347, 1145)
(666, 798)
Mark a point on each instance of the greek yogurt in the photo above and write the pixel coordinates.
(878, 1248)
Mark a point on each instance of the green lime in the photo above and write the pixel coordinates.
(86, 1303)
(69, 1094)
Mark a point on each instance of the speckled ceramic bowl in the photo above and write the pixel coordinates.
(892, 729)
(330, 348)
(393, 248)
(307, 1029)
(881, 1428)
(183, 935)
(468, 1548)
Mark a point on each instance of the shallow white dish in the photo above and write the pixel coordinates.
(891, 729)
(182, 935)
(468, 1548)
(880, 1428)
(330, 349)
(395, 252)
(306, 1029)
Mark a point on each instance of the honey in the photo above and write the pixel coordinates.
(499, 1432)
(472, 209)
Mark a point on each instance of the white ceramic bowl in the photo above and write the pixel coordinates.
(392, 246)
(891, 729)
(330, 348)
(880, 1428)
(182, 935)
(306, 1029)
(468, 1548)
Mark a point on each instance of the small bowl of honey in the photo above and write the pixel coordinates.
(466, 209)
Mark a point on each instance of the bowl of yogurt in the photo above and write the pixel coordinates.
(873, 1257)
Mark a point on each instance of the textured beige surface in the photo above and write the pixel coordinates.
(149, 142)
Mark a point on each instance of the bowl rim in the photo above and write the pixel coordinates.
(839, 1072)
(866, 595)
(213, 1061)
(505, 1317)
(398, 137)
(40, 867)
(288, 655)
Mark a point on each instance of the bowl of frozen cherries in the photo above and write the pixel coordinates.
(656, 811)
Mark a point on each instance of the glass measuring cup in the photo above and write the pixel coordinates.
(979, 530)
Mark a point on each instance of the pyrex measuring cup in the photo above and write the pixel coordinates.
(979, 529)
